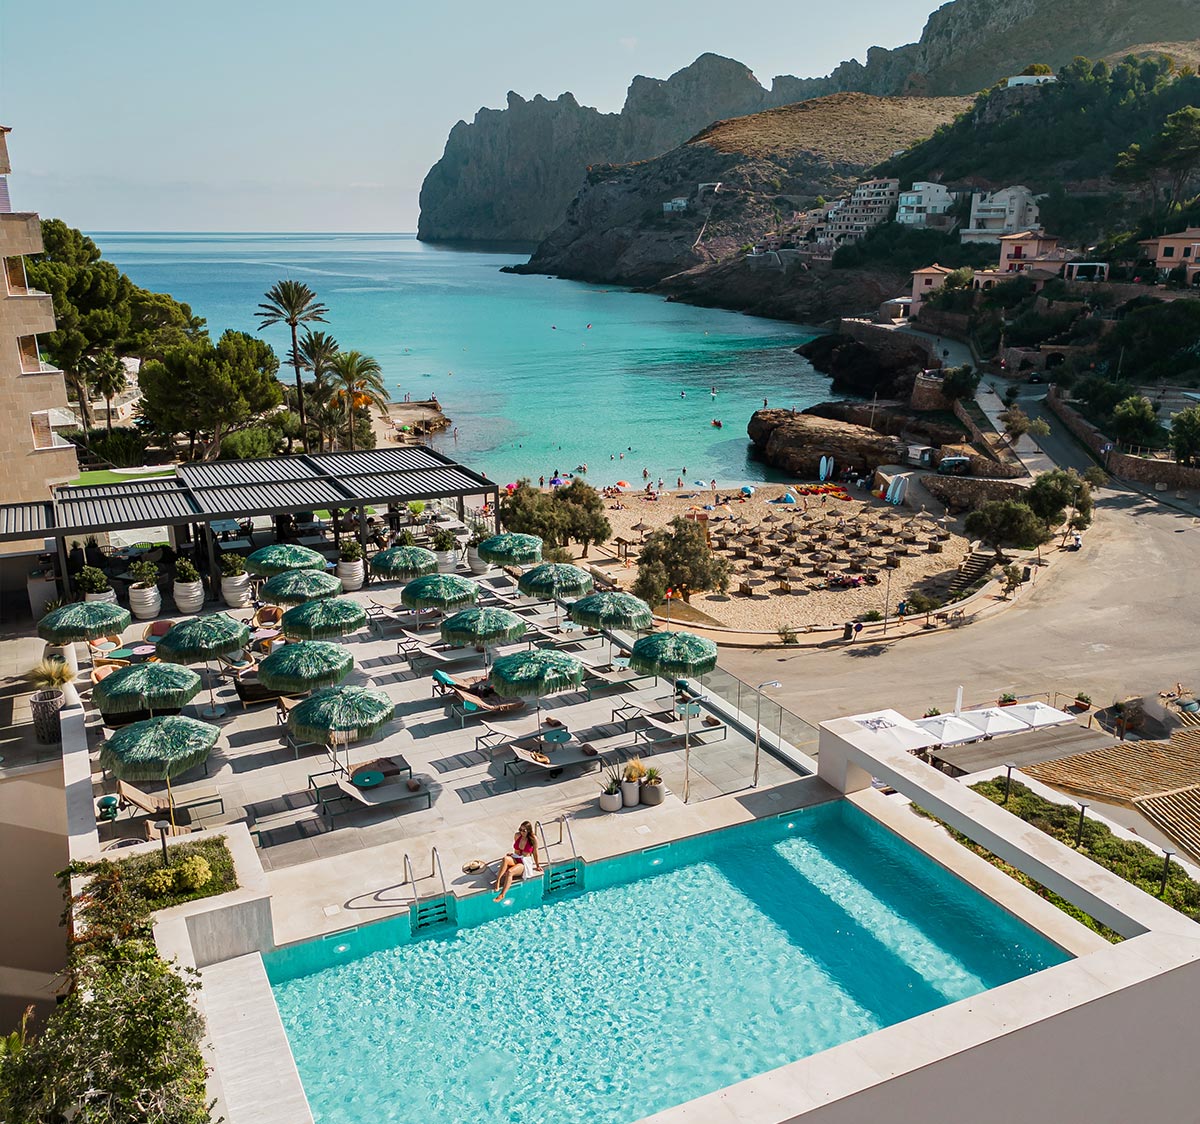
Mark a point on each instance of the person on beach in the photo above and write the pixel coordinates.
(764, 403)
(541, 481)
(678, 483)
(645, 474)
(524, 858)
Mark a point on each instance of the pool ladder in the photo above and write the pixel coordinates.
(566, 874)
(439, 909)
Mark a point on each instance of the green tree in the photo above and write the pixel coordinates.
(581, 509)
(1052, 493)
(208, 391)
(1037, 68)
(292, 303)
(530, 511)
(1012, 580)
(357, 382)
(681, 553)
(1185, 435)
(318, 350)
(157, 323)
(106, 373)
(960, 382)
(1015, 422)
(1001, 523)
(1134, 421)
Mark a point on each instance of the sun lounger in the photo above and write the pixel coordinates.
(338, 794)
(443, 682)
(381, 616)
(157, 805)
(600, 679)
(152, 833)
(537, 761)
(466, 705)
(414, 647)
(292, 817)
(500, 737)
(659, 731)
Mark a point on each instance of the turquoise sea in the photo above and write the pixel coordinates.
(537, 373)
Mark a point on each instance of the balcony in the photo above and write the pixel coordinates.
(20, 233)
(44, 435)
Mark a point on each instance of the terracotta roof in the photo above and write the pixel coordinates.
(935, 268)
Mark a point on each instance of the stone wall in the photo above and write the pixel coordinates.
(927, 394)
(887, 342)
(956, 325)
(989, 439)
(965, 493)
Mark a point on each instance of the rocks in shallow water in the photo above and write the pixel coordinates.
(858, 369)
(796, 443)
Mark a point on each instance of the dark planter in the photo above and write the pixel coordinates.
(653, 794)
(45, 706)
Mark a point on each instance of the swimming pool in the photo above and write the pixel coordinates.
(679, 970)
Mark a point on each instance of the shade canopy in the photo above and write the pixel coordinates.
(483, 626)
(294, 587)
(673, 655)
(159, 748)
(555, 579)
(533, 674)
(994, 720)
(83, 620)
(305, 667)
(404, 562)
(340, 714)
(278, 557)
(319, 620)
(611, 610)
(439, 591)
(949, 729)
(146, 686)
(511, 548)
(1038, 714)
(202, 638)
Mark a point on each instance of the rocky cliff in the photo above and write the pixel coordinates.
(795, 443)
(511, 173)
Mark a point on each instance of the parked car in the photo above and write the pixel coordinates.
(954, 466)
(1036, 377)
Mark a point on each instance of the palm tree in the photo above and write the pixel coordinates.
(292, 303)
(317, 353)
(357, 382)
(326, 417)
(106, 373)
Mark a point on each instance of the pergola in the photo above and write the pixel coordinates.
(200, 493)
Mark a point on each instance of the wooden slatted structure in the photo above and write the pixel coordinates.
(1176, 813)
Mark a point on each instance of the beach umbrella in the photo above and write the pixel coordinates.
(294, 587)
(787, 497)
(611, 609)
(296, 668)
(622, 483)
(747, 490)
(340, 715)
(404, 562)
(158, 749)
(535, 674)
(673, 655)
(483, 627)
(555, 579)
(146, 686)
(319, 620)
(509, 549)
(200, 639)
(439, 591)
(555, 481)
(274, 559)
(83, 620)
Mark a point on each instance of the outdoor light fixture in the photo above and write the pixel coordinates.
(758, 724)
(163, 827)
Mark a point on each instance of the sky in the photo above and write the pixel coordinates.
(294, 115)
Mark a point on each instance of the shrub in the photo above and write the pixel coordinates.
(50, 674)
(193, 872)
(416, 508)
(787, 634)
(404, 538)
(123, 448)
(248, 444)
(145, 574)
(232, 565)
(679, 557)
(871, 615)
(185, 571)
(159, 883)
(444, 540)
(91, 580)
(350, 550)
(932, 712)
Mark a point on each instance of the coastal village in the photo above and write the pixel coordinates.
(381, 788)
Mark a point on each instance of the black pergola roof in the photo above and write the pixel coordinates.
(202, 492)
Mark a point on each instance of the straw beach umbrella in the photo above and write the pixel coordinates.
(439, 591)
(483, 627)
(295, 668)
(536, 674)
(673, 655)
(146, 686)
(511, 549)
(404, 562)
(340, 715)
(158, 749)
(200, 639)
(294, 587)
(319, 620)
(555, 580)
(275, 559)
(611, 609)
(81, 620)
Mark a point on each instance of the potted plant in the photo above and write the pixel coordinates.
(631, 782)
(932, 712)
(145, 601)
(350, 568)
(54, 681)
(404, 537)
(610, 789)
(445, 546)
(417, 510)
(1008, 699)
(1083, 701)
(653, 789)
(477, 565)
(235, 582)
(95, 585)
(188, 590)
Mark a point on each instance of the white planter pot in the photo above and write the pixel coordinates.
(109, 595)
(631, 793)
(236, 590)
(145, 602)
(447, 561)
(653, 794)
(189, 596)
(350, 574)
(477, 565)
(610, 803)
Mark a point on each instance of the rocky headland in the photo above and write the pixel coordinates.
(795, 443)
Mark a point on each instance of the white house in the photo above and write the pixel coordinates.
(673, 205)
(922, 200)
(997, 213)
(1030, 80)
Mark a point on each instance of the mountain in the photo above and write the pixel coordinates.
(511, 173)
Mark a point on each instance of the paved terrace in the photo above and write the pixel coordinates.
(263, 781)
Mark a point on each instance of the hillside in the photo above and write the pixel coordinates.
(767, 164)
(510, 174)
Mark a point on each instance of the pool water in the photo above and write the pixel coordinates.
(680, 970)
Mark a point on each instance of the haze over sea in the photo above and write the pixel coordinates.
(537, 373)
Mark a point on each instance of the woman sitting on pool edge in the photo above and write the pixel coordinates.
(524, 858)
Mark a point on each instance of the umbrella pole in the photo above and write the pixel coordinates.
(170, 800)
(687, 751)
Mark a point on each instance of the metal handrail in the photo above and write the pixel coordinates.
(537, 826)
(563, 824)
(570, 835)
(437, 869)
(410, 877)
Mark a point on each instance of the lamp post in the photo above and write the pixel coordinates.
(1008, 780)
(690, 707)
(758, 724)
(1162, 886)
(1079, 828)
(162, 827)
(887, 599)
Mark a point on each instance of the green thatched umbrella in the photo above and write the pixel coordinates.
(512, 548)
(439, 591)
(673, 655)
(535, 674)
(404, 562)
(483, 627)
(555, 579)
(294, 587)
(611, 610)
(305, 667)
(278, 557)
(82, 620)
(340, 715)
(158, 749)
(200, 639)
(319, 620)
(146, 686)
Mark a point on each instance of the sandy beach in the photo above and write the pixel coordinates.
(419, 417)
